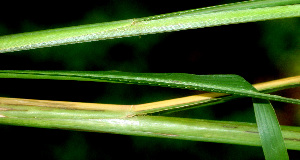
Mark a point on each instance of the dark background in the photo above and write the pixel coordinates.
(258, 51)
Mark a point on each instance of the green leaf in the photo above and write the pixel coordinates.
(208, 99)
(269, 130)
(230, 84)
(197, 18)
(227, 7)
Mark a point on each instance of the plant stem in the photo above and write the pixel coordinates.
(208, 17)
(151, 126)
(115, 119)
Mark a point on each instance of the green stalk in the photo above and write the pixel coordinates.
(208, 17)
(150, 126)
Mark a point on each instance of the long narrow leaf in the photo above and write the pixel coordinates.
(208, 99)
(227, 7)
(229, 84)
(208, 17)
(170, 105)
(269, 130)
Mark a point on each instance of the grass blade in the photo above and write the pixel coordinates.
(171, 105)
(226, 7)
(229, 84)
(269, 130)
(268, 126)
(208, 99)
(208, 17)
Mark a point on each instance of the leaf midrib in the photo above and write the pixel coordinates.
(146, 79)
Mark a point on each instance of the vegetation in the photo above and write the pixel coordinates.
(147, 119)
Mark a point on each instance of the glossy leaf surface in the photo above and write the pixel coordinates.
(230, 84)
